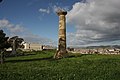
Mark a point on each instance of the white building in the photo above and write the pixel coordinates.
(33, 46)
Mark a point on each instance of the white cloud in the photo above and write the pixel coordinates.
(44, 10)
(5, 24)
(95, 21)
(18, 30)
(53, 8)
(57, 8)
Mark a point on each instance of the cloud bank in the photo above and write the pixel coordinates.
(18, 30)
(95, 21)
(12, 28)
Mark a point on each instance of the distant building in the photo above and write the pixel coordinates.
(33, 46)
(96, 51)
(48, 47)
(37, 47)
(9, 49)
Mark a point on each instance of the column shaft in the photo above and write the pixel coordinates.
(62, 33)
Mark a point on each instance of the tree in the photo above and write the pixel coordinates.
(3, 44)
(16, 43)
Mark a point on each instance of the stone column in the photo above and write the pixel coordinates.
(62, 35)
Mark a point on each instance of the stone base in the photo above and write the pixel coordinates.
(60, 54)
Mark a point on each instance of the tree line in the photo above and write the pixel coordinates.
(5, 42)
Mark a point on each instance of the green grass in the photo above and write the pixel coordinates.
(41, 66)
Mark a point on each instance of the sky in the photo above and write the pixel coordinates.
(89, 22)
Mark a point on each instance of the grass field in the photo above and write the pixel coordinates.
(41, 66)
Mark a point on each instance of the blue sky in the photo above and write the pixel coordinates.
(36, 20)
(27, 14)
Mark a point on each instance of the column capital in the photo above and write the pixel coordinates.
(61, 13)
